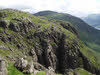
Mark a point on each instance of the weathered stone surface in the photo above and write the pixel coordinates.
(14, 26)
(3, 47)
(3, 23)
(46, 43)
(3, 69)
(33, 54)
(50, 71)
(24, 65)
(76, 73)
(50, 57)
(30, 67)
(38, 66)
(21, 63)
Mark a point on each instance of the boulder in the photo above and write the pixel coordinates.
(50, 71)
(3, 69)
(24, 65)
(14, 26)
(21, 64)
(3, 23)
(38, 66)
(76, 73)
(30, 67)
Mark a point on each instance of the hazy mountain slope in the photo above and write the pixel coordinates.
(89, 35)
(43, 43)
(93, 20)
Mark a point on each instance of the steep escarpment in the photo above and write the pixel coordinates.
(89, 35)
(30, 44)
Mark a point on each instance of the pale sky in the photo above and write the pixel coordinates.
(78, 8)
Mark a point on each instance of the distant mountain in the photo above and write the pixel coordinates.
(93, 20)
(89, 35)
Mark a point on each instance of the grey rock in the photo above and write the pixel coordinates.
(76, 73)
(4, 23)
(50, 71)
(21, 63)
(3, 69)
(14, 26)
(3, 47)
(30, 67)
(38, 66)
(50, 57)
(24, 65)
(33, 54)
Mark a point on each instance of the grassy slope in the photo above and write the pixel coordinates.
(19, 39)
(89, 35)
(81, 71)
(13, 71)
(44, 23)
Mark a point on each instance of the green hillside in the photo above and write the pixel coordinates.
(43, 43)
(89, 35)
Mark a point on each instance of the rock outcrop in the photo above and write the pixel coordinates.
(3, 67)
(50, 71)
(44, 43)
(24, 65)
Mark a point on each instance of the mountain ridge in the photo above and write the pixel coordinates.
(29, 43)
(89, 35)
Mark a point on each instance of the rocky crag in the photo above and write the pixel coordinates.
(88, 34)
(30, 44)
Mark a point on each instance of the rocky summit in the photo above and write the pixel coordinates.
(31, 45)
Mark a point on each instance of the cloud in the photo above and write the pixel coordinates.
(84, 6)
(74, 7)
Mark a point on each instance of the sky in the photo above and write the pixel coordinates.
(79, 8)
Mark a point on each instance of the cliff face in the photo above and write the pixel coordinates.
(43, 43)
(89, 35)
